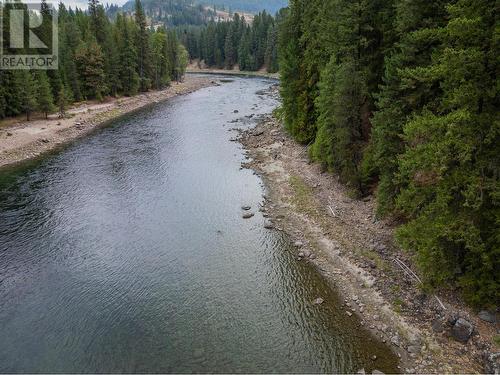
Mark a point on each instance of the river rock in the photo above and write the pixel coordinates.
(248, 215)
(414, 349)
(493, 363)
(268, 224)
(462, 330)
(318, 301)
(236, 111)
(487, 316)
(437, 326)
(377, 372)
(298, 244)
(395, 340)
(246, 208)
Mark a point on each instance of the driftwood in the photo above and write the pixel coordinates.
(413, 275)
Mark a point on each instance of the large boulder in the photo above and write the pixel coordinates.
(462, 330)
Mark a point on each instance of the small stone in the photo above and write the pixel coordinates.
(298, 244)
(377, 372)
(268, 224)
(45, 140)
(318, 301)
(246, 208)
(361, 371)
(487, 316)
(414, 349)
(348, 313)
(312, 256)
(437, 326)
(248, 215)
(236, 111)
(9, 134)
(395, 340)
(374, 357)
(462, 330)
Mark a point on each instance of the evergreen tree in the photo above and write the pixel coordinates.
(451, 163)
(400, 95)
(143, 53)
(62, 101)
(28, 95)
(44, 94)
(90, 64)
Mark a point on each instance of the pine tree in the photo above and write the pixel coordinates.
(44, 94)
(90, 64)
(129, 78)
(142, 43)
(400, 95)
(339, 143)
(28, 95)
(62, 101)
(451, 163)
(229, 49)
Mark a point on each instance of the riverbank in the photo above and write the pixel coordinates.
(24, 140)
(260, 73)
(355, 251)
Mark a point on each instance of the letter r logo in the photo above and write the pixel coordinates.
(17, 30)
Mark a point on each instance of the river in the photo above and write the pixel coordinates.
(127, 252)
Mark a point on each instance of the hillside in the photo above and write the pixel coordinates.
(252, 6)
(189, 12)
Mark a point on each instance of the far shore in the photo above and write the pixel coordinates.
(22, 140)
(234, 72)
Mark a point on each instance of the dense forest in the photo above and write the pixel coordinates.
(97, 57)
(229, 43)
(401, 97)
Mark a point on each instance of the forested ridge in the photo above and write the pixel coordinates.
(228, 43)
(194, 12)
(401, 98)
(215, 35)
(173, 13)
(97, 57)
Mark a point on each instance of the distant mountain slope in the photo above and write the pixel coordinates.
(196, 12)
(174, 12)
(253, 6)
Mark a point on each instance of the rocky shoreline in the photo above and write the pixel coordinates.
(353, 249)
(25, 140)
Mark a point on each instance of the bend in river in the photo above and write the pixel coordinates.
(127, 252)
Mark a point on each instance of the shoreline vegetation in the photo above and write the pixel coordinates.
(399, 99)
(22, 140)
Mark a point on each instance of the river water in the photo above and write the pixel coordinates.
(127, 252)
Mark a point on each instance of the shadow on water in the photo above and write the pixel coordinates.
(127, 252)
